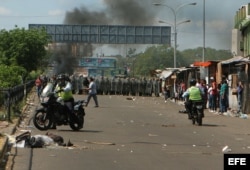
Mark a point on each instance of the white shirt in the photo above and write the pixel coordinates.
(92, 87)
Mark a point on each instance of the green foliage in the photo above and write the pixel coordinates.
(21, 51)
(25, 48)
(162, 56)
(192, 55)
(11, 75)
(155, 57)
(34, 74)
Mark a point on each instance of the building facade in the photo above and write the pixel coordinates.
(241, 48)
(241, 32)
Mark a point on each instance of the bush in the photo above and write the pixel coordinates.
(11, 76)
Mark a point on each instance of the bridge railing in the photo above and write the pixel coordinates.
(10, 97)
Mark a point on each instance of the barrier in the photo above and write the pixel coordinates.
(11, 96)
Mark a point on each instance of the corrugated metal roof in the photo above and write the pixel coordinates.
(234, 59)
(165, 74)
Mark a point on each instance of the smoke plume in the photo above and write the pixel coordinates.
(62, 58)
(83, 16)
(126, 12)
(115, 12)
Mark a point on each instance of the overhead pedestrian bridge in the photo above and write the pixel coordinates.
(107, 34)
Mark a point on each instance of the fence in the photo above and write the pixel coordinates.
(11, 96)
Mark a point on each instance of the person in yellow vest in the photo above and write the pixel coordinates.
(193, 93)
(64, 90)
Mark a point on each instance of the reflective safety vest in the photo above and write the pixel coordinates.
(65, 95)
(194, 93)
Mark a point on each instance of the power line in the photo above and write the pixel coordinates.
(27, 16)
(209, 33)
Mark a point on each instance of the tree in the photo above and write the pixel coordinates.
(11, 75)
(24, 48)
(131, 52)
(161, 57)
(154, 57)
(192, 55)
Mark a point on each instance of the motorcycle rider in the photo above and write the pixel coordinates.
(64, 90)
(192, 94)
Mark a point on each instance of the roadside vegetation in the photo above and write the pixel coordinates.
(161, 57)
(23, 57)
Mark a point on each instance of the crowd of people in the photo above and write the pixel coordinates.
(215, 96)
(120, 86)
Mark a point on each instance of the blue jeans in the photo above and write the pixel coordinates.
(239, 98)
(212, 102)
(223, 103)
(38, 90)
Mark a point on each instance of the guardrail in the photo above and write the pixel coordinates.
(11, 96)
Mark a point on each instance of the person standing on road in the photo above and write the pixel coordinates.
(239, 95)
(166, 92)
(203, 87)
(212, 93)
(92, 92)
(39, 86)
(224, 97)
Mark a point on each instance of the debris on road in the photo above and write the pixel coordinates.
(100, 143)
(226, 149)
(171, 125)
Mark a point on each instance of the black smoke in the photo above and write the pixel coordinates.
(62, 60)
(115, 12)
(82, 15)
(124, 12)
(130, 12)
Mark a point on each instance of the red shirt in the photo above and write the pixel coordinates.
(38, 82)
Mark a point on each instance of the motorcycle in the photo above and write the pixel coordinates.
(54, 112)
(197, 112)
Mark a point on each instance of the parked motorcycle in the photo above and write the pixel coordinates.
(197, 112)
(55, 112)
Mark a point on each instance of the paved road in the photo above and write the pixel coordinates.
(145, 133)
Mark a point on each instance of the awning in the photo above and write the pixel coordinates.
(165, 74)
(234, 59)
(202, 64)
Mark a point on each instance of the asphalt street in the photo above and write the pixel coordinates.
(136, 133)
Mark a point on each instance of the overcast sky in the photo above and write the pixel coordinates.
(219, 16)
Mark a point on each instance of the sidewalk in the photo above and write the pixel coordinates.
(9, 128)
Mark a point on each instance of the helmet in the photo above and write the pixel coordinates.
(61, 77)
(61, 80)
(192, 82)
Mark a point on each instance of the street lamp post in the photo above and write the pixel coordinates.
(175, 11)
(175, 35)
(204, 18)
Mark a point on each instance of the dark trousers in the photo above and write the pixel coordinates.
(70, 104)
(94, 97)
(223, 103)
(188, 106)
